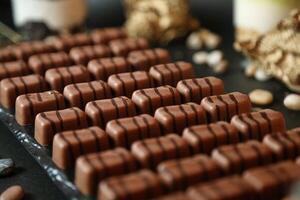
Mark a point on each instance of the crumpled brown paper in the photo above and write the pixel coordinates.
(278, 52)
(158, 20)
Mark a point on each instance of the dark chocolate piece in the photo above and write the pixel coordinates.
(171, 73)
(148, 100)
(256, 125)
(79, 94)
(125, 84)
(13, 69)
(102, 111)
(11, 88)
(151, 152)
(224, 107)
(58, 78)
(47, 124)
(125, 131)
(105, 35)
(69, 145)
(144, 59)
(93, 168)
(29, 105)
(121, 47)
(194, 90)
(182, 173)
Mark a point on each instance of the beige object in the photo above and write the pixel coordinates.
(203, 37)
(15, 192)
(261, 97)
(292, 102)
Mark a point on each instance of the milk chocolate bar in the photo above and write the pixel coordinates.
(102, 68)
(256, 125)
(82, 55)
(194, 90)
(125, 131)
(58, 78)
(47, 124)
(29, 105)
(144, 59)
(148, 100)
(151, 152)
(181, 173)
(124, 84)
(102, 111)
(69, 145)
(11, 88)
(204, 138)
(173, 119)
(95, 167)
(224, 107)
(7, 55)
(105, 35)
(79, 94)
(121, 47)
(171, 73)
(13, 69)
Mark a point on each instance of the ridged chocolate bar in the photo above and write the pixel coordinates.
(13, 69)
(105, 35)
(121, 47)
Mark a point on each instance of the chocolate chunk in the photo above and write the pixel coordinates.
(105, 35)
(256, 125)
(182, 173)
(58, 78)
(124, 84)
(194, 90)
(224, 107)
(102, 111)
(29, 105)
(236, 158)
(273, 181)
(151, 152)
(11, 88)
(39, 64)
(143, 184)
(125, 131)
(233, 187)
(144, 59)
(204, 138)
(121, 47)
(102, 68)
(82, 55)
(69, 145)
(95, 167)
(79, 94)
(148, 100)
(47, 124)
(174, 196)
(174, 119)
(13, 69)
(171, 73)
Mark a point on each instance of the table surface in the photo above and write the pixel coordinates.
(214, 14)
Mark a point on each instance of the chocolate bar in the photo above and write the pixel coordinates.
(7, 55)
(121, 47)
(105, 35)
(13, 69)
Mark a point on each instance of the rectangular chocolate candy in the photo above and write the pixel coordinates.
(102, 68)
(95, 167)
(171, 73)
(273, 181)
(256, 125)
(82, 55)
(236, 158)
(60, 77)
(40, 63)
(7, 55)
(124, 84)
(79, 94)
(151, 152)
(144, 59)
(69, 145)
(181, 173)
(121, 47)
(11, 88)
(47, 124)
(194, 90)
(29, 105)
(148, 100)
(102, 111)
(123, 132)
(173, 119)
(204, 138)
(143, 184)
(105, 35)
(13, 69)
(224, 107)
